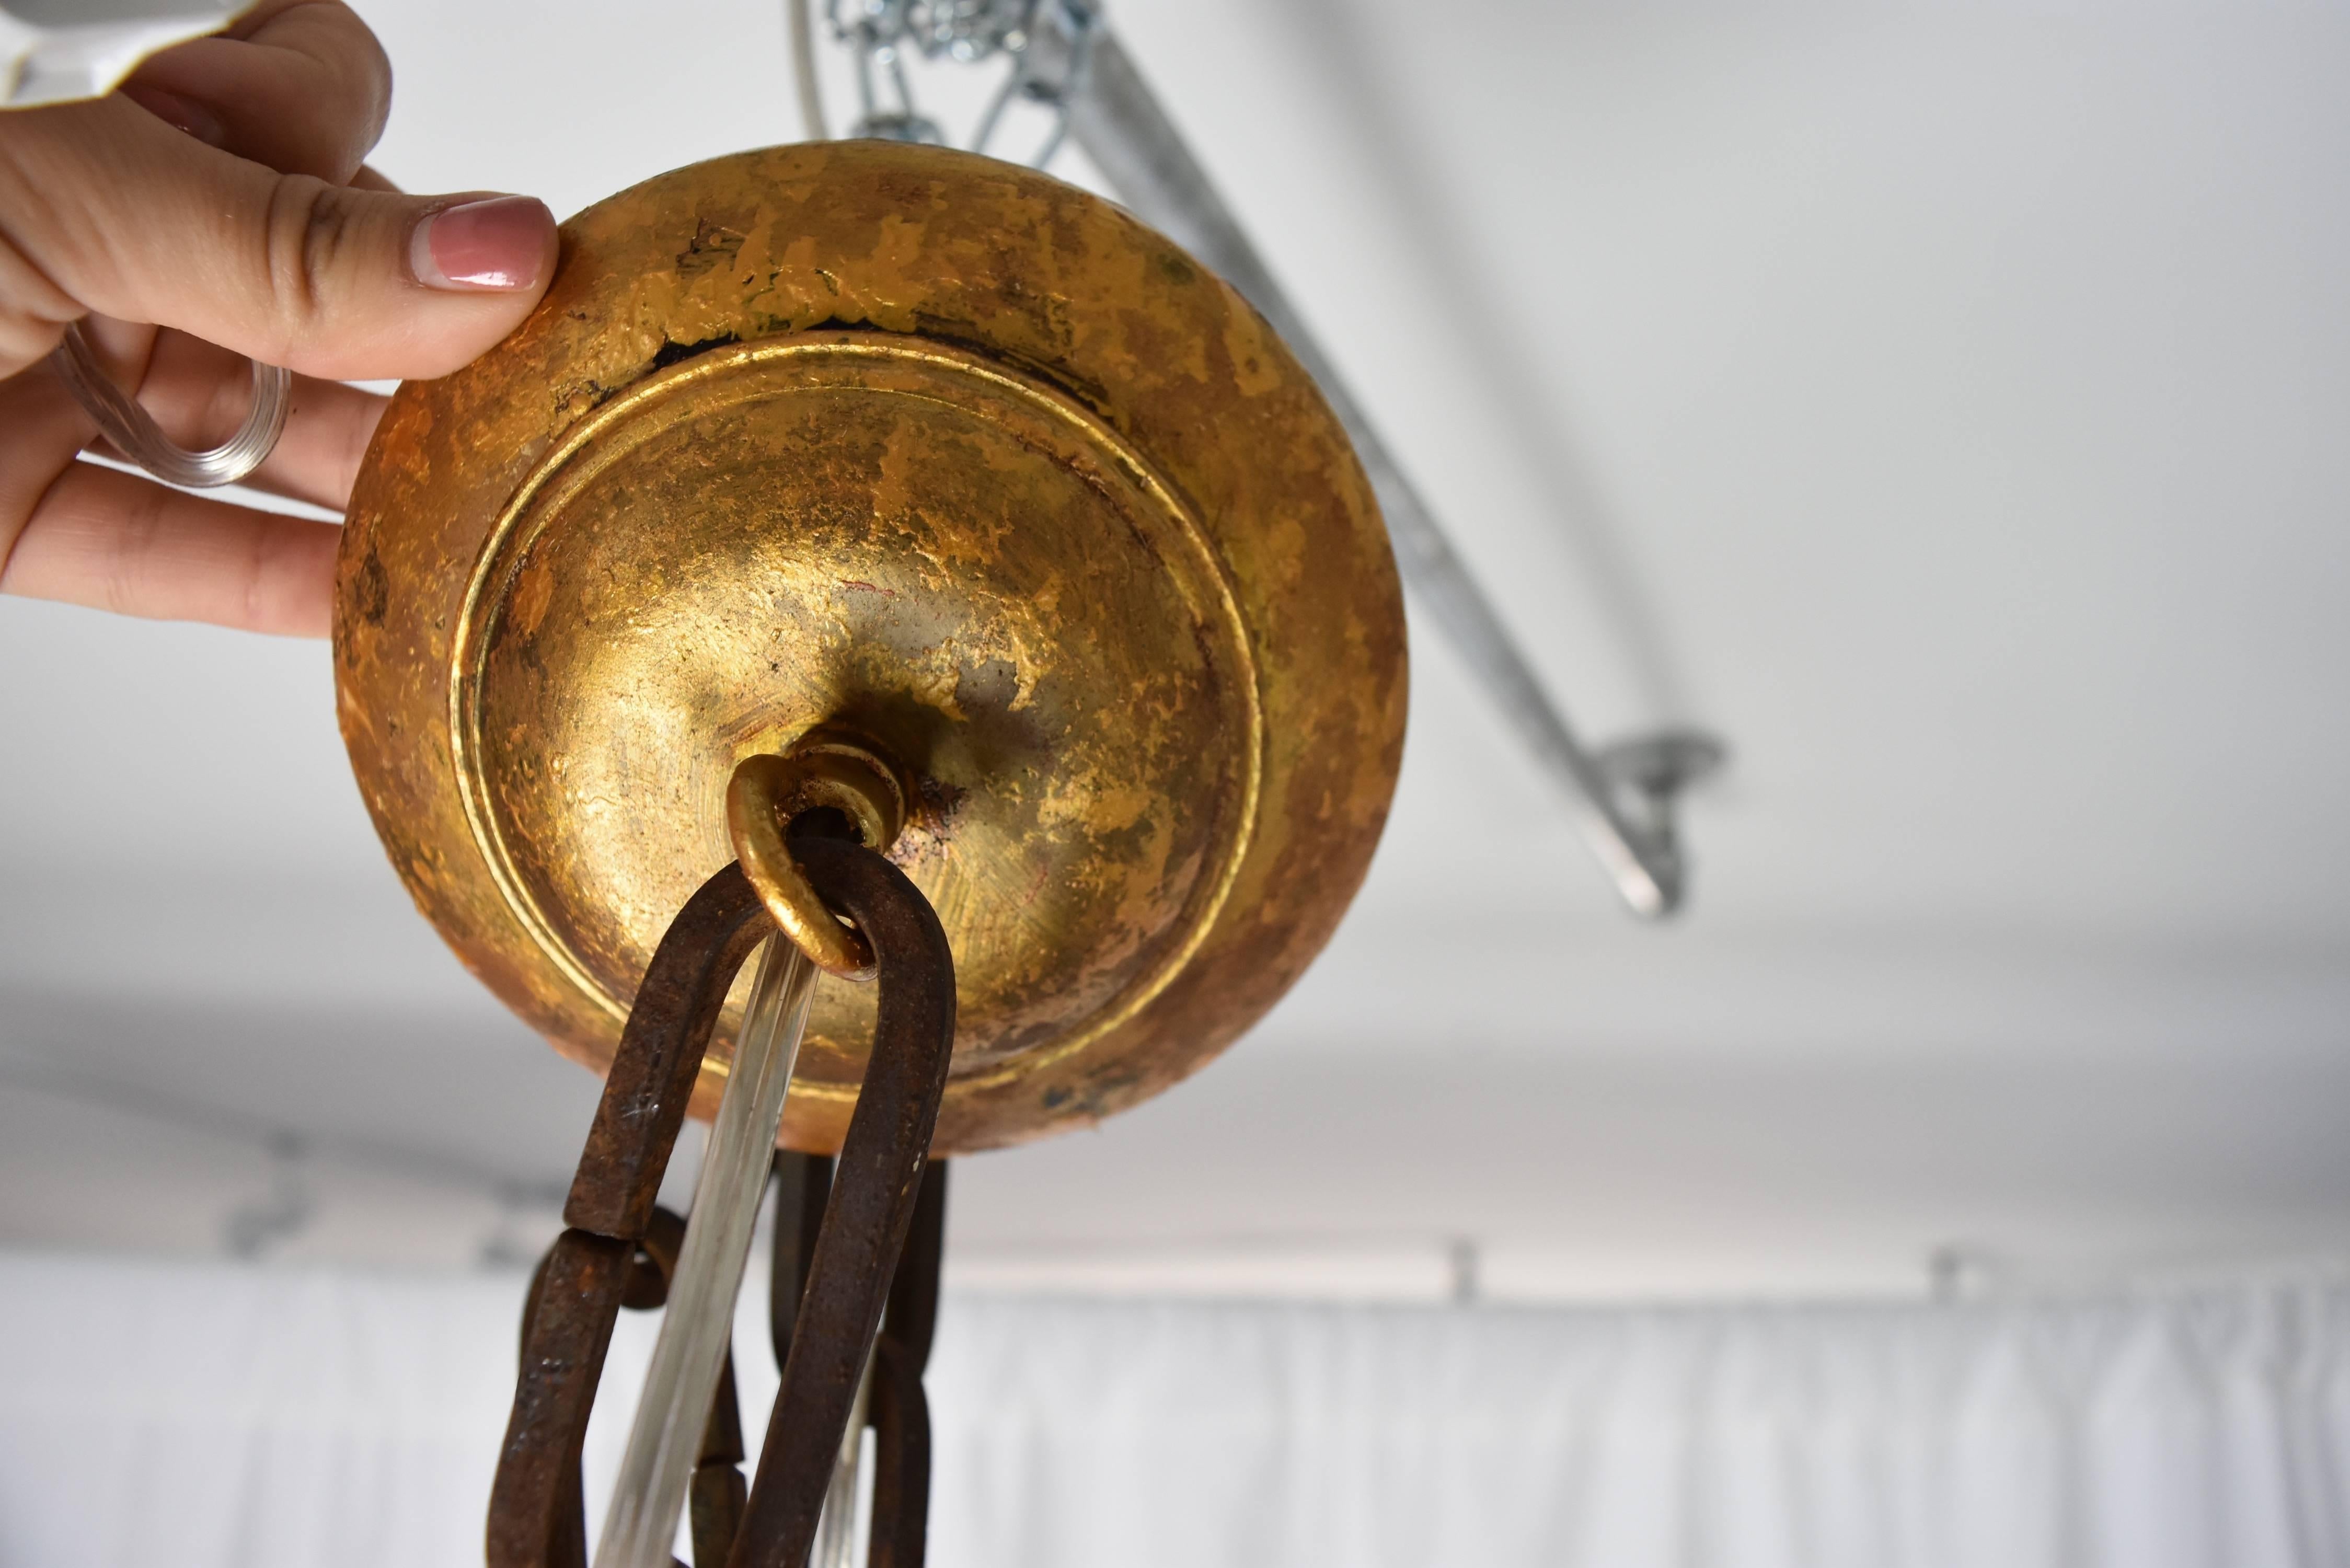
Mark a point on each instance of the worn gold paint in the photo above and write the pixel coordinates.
(951, 457)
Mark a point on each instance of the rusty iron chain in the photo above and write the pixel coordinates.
(845, 1266)
(899, 1413)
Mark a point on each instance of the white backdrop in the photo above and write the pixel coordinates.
(212, 1416)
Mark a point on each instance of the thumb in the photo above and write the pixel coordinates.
(126, 216)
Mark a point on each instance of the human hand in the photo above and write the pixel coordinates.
(221, 194)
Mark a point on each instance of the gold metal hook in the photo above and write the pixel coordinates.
(822, 771)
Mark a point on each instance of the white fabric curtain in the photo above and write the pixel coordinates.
(198, 1416)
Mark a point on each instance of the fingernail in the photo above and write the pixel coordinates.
(497, 243)
(183, 113)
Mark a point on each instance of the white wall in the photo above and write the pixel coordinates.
(205, 1416)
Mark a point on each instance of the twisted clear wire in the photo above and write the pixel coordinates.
(698, 1322)
(137, 437)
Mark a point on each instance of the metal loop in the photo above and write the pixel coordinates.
(1052, 77)
(135, 434)
(764, 797)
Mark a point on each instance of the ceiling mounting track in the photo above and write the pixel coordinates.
(1066, 59)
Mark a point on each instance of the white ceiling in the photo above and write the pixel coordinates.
(1945, 407)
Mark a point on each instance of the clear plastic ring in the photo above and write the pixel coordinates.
(134, 434)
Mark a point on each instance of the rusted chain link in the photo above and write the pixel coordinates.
(876, 1182)
(535, 1516)
(717, 1491)
(898, 1411)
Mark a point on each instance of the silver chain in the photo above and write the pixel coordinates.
(1048, 43)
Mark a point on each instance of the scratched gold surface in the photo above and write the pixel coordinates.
(945, 453)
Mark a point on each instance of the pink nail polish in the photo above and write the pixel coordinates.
(492, 244)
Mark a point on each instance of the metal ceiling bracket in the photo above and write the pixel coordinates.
(1066, 59)
(1645, 775)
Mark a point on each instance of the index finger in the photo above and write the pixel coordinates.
(299, 86)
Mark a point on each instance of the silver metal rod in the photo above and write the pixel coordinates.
(811, 91)
(1114, 115)
(699, 1319)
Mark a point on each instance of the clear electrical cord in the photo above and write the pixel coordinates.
(137, 437)
(697, 1324)
(835, 1527)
